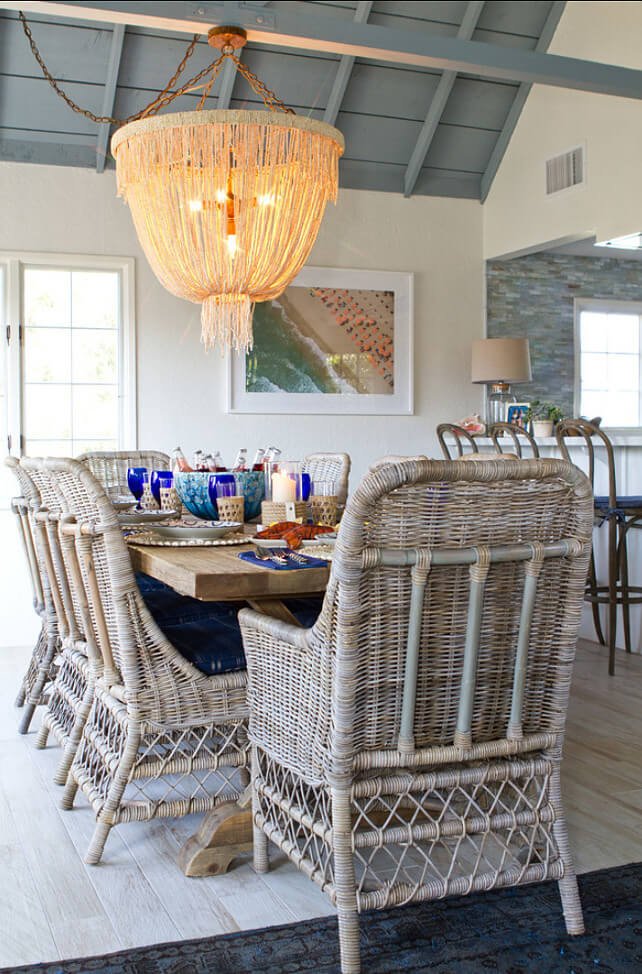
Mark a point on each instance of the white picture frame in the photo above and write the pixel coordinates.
(398, 401)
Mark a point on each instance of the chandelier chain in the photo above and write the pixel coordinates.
(166, 96)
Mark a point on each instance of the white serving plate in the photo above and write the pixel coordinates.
(214, 529)
(123, 503)
(132, 518)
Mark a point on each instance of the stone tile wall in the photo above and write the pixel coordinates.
(533, 297)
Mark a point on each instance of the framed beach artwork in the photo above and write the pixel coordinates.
(336, 341)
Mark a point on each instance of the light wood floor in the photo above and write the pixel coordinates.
(52, 906)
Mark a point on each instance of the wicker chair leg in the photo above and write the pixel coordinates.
(34, 696)
(108, 814)
(69, 794)
(345, 883)
(260, 840)
(261, 855)
(25, 720)
(569, 892)
(20, 699)
(349, 942)
(62, 771)
(592, 589)
(98, 840)
(624, 587)
(43, 734)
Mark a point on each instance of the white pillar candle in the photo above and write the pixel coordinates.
(283, 488)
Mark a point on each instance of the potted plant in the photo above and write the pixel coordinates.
(543, 416)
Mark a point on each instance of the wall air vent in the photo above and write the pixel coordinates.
(564, 171)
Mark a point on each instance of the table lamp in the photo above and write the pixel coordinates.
(498, 362)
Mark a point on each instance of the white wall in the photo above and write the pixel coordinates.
(517, 214)
(181, 390)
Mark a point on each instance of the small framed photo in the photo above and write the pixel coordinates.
(516, 413)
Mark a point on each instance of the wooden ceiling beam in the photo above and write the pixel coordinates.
(438, 103)
(109, 97)
(289, 28)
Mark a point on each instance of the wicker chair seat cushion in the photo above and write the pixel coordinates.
(207, 633)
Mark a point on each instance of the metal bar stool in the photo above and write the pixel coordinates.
(519, 436)
(620, 513)
(460, 436)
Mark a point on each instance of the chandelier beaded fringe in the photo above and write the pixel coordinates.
(182, 176)
(178, 172)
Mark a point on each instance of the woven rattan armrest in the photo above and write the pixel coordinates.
(283, 632)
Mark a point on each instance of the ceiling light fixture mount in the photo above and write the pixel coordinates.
(227, 39)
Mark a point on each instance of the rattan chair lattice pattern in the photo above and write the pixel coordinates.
(162, 738)
(109, 467)
(36, 682)
(408, 746)
(78, 663)
(330, 467)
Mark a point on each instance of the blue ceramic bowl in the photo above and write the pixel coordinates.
(192, 488)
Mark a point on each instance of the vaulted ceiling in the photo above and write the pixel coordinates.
(427, 94)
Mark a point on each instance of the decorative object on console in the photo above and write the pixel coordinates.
(498, 362)
(517, 414)
(473, 424)
(543, 416)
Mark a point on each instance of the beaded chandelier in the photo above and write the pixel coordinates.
(227, 204)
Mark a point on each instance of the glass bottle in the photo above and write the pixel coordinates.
(257, 463)
(219, 466)
(241, 460)
(198, 461)
(180, 464)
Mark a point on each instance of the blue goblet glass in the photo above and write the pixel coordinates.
(305, 487)
(155, 482)
(136, 480)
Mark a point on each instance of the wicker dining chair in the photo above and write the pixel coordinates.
(36, 682)
(109, 467)
(334, 467)
(162, 738)
(408, 746)
(621, 514)
(518, 436)
(461, 439)
(78, 663)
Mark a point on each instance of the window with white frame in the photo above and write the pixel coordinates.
(70, 362)
(608, 360)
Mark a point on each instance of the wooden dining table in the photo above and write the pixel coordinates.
(217, 574)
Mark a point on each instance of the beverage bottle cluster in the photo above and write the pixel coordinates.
(213, 463)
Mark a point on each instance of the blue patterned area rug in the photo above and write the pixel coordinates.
(514, 931)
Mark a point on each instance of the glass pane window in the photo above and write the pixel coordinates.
(71, 359)
(610, 364)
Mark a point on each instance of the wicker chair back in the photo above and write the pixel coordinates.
(330, 467)
(109, 467)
